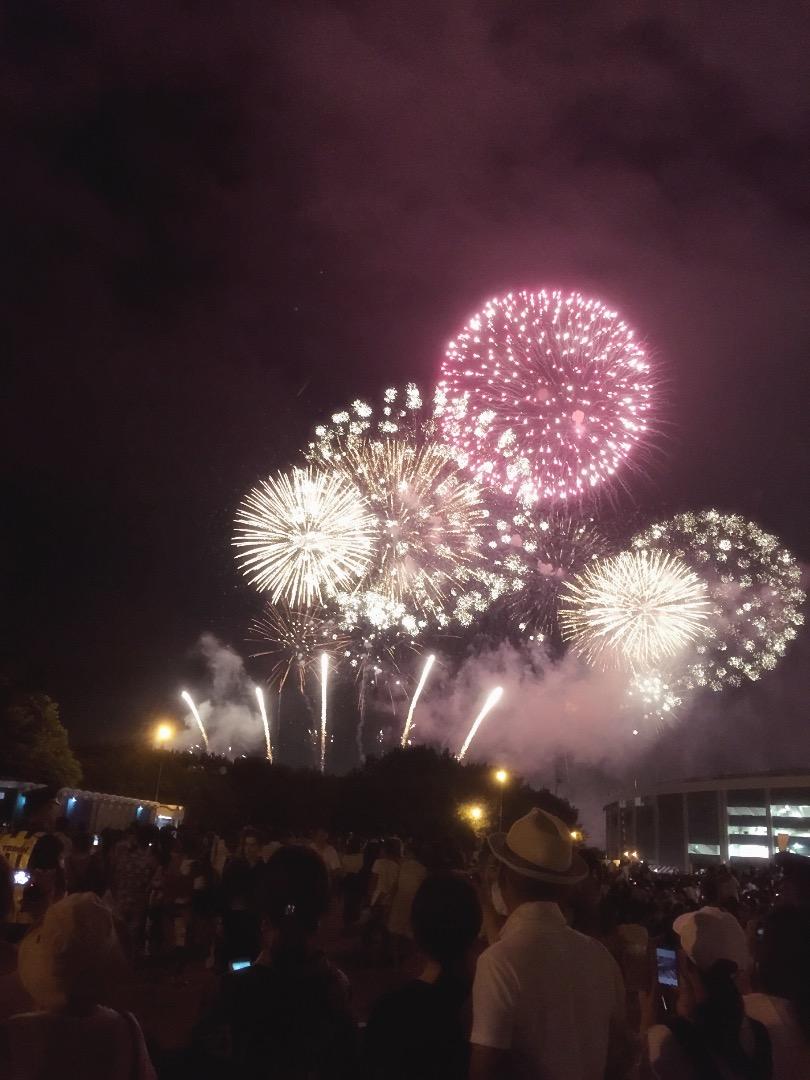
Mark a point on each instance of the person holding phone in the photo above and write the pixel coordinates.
(710, 1037)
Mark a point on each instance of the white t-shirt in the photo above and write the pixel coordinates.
(329, 856)
(387, 871)
(789, 1048)
(549, 995)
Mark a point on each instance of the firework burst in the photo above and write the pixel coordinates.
(545, 395)
(535, 551)
(304, 535)
(429, 517)
(401, 415)
(294, 640)
(754, 586)
(634, 610)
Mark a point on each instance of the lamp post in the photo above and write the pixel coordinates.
(502, 778)
(164, 733)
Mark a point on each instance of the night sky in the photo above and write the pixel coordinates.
(222, 221)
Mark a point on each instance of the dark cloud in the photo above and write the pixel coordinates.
(221, 221)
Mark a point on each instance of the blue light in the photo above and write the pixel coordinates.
(139, 811)
(71, 803)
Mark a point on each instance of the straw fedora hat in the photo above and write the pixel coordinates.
(74, 954)
(539, 846)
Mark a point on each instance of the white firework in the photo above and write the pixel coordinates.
(304, 535)
(634, 610)
(755, 588)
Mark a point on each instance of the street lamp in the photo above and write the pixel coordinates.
(476, 813)
(164, 733)
(502, 777)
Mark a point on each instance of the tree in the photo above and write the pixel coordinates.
(33, 744)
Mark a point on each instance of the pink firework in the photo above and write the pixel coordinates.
(545, 395)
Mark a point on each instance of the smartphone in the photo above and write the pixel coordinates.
(21, 877)
(240, 965)
(667, 964)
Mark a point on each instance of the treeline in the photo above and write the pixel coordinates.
(418, 792)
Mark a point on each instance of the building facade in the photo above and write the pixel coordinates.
(692, 823)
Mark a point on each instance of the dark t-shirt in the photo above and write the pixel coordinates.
(421, 1030)
(290, 1021)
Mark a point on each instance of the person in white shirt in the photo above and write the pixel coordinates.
(320, 843)
(68, 965)
(548, 1002)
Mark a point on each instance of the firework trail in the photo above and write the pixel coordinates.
(295, 638)
(324, 677)
(419, 687)
(545, 395)
(634, 610)
(265, 723)
(186, 696)
(304, 535)
(493, 698)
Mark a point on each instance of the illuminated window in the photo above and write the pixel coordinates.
(748, 851)
(747, 811)
(704, 849)
(748, 830)
(794, 810)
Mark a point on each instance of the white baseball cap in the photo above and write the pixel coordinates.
(709, 934)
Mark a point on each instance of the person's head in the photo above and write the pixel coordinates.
(73, 957)
(295, 895)
(321, 837)
(82, 843)
(446, 919)
(251, 848)
(392, 848)
(713, 952)
(537, 860)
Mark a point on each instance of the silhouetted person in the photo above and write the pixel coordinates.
(423, 1029)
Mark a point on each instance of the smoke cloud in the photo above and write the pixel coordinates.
(227, 704)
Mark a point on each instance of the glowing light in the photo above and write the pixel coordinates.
(186, 696)
(164, 733)
(265, 723)
(501, 776)
(492, 700)
(633, 610)
(476, 813)
(304, 535)
(419, 687)
(324, 679)
(545, 395)
(754, 585)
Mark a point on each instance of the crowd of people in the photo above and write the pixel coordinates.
(529, 957)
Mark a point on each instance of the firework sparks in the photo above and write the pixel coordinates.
(419, 688)
(402, 415)
(534, 553)
(492, 700)
(294, 639)
(186, 696)
(304, 535)
(634, 610)
(429, 517)
(754, 586)
(324, 679)
(265, 723)
(545, 395)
